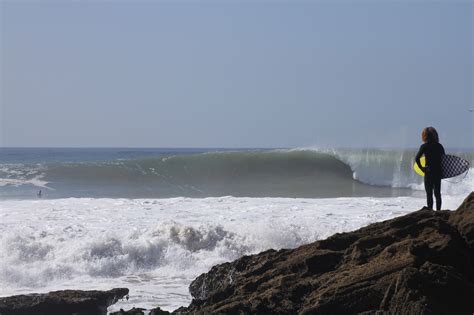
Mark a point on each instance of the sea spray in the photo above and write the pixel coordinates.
(156, 247)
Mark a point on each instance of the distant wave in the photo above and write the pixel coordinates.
(271, 173)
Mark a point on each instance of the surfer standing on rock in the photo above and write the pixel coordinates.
(433, 152)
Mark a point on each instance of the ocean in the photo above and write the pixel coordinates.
(154, 219)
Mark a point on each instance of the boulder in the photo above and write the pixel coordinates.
(62, 302)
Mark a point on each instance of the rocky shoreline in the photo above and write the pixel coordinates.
(420, 263)
(62, 302)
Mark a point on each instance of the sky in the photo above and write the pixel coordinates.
(235, 73)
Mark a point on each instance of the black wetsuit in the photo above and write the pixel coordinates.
(433, 151)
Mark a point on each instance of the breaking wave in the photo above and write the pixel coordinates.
(262, 173)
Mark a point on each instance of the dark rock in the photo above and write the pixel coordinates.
(180, 310)
(420, 263)
(133, 311)
(139, 311)
(62, 302)
(158, 311)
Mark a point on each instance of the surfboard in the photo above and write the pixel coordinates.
(451, 166)
(417, 169)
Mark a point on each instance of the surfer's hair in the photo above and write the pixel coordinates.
(429, 134)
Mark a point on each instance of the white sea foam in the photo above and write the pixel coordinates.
(20, 174)
(37, 182)
(156, 247)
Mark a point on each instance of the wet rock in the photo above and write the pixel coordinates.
(158, 311)
(62, 302)
(420, 263)
(140, 311)
(133, 311)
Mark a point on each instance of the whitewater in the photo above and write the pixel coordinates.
(156, 246)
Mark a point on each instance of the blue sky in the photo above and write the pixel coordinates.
(236, 74)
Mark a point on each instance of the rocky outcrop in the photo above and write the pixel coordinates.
(421, 263)
(62, 302)
(141, 311)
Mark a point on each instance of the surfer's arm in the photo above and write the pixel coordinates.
(421, 151)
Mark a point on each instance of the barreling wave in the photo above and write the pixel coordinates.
(250, 173)
(394, 168)
(259, 173)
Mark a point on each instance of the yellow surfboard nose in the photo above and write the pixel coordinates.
(417, 169)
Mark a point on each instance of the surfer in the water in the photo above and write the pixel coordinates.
(433, 151)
